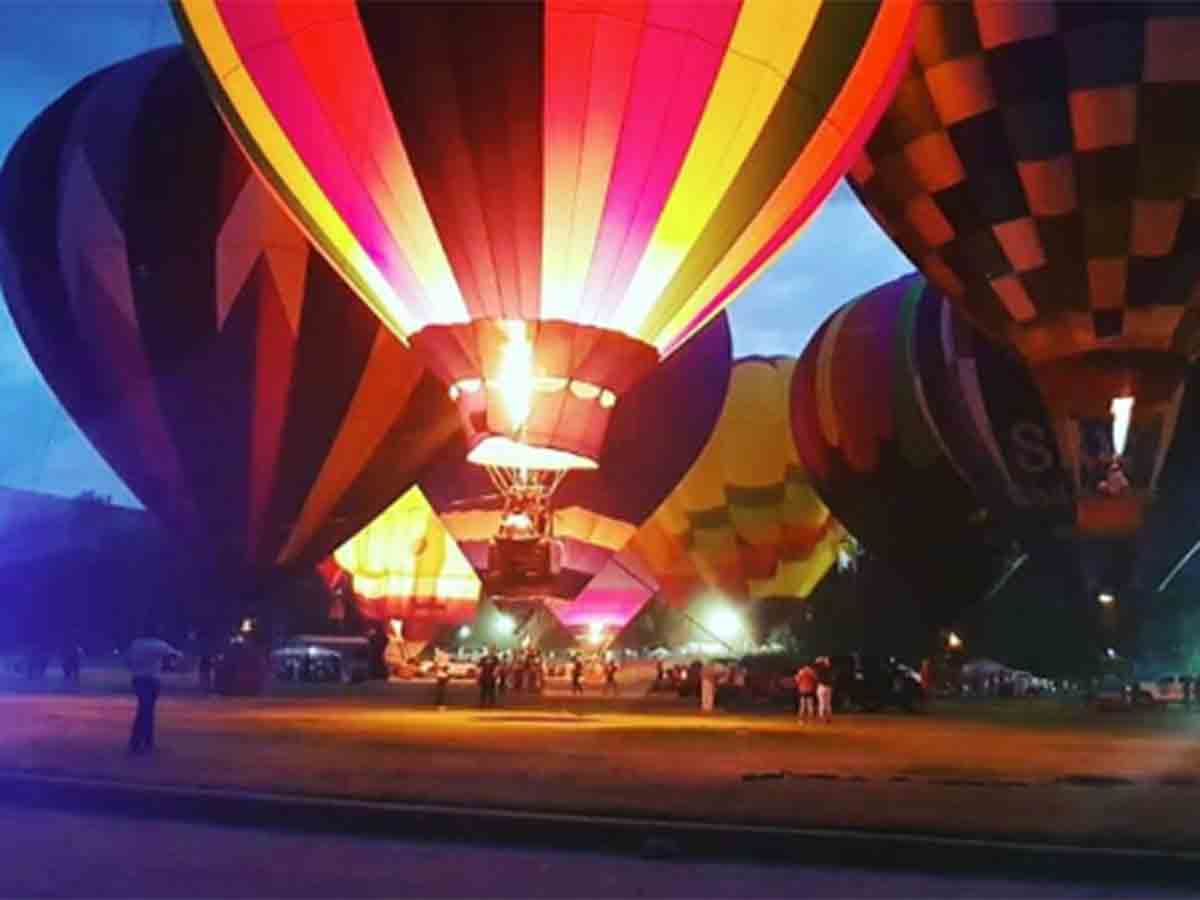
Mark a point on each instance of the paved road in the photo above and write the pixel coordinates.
(62, 854)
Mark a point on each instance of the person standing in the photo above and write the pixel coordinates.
(708, 687)
(205, 669)
(824, 689)
(441, 677)
(489, 667)
(72, 657)
(806, 688)
(577, 676)
(145, 659)
(610, 678)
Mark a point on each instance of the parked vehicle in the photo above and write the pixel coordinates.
(1163, 690)
(322, 658)
(872, 683)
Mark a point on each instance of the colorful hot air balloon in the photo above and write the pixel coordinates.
(548, 196)
(931, 444)
(1039, 164)
(214, 359)
(745, 514)
(609, 602)
(656, 434)
(405, 567)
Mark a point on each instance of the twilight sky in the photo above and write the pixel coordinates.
(48, 45)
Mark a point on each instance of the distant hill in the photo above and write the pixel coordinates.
(86, 570)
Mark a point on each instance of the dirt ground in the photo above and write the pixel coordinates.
(1027, 769)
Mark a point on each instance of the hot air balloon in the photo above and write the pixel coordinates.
(549, 196)
(930, 443)
(656, 434)
(407, 571)
(609, 602)
(745, 515)
(213, 358)
(1039, 164)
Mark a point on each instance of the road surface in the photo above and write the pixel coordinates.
(62, 854)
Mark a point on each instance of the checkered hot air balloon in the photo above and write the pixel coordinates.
(549, 196)
(214, 359)
(1040, 163)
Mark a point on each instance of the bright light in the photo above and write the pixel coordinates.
(464, 632)
(596, 632)
(953, 641)
(1106, 599)
(725, 623)
(514, 377)
(397, 628)
(1122, 410)
(247, 626)
(1112, 654)
(505, 624)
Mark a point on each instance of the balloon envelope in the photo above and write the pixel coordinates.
(610, 173)
(610, 601)
(932, 445)
(745, 515)
(406, 566)
(1039, 164)
(214, 359)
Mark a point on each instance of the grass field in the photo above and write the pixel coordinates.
(1038, 769)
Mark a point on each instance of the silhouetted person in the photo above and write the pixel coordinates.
(72, 660)
(204, 671)
(488, 671)
(145, 659)
(441, 676)
(610, 677)
(377, 651)
(577, 676)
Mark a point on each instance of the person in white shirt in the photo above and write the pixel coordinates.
(145, 658)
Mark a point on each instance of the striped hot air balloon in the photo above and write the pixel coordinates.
(214, 359)
(549, 196)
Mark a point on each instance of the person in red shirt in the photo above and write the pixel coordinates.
(806, 693)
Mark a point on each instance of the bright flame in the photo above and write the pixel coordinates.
(514, 377)
(1122, 410)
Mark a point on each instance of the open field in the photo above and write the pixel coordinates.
(1039, 769)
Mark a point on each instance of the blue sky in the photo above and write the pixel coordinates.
(48, 45)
